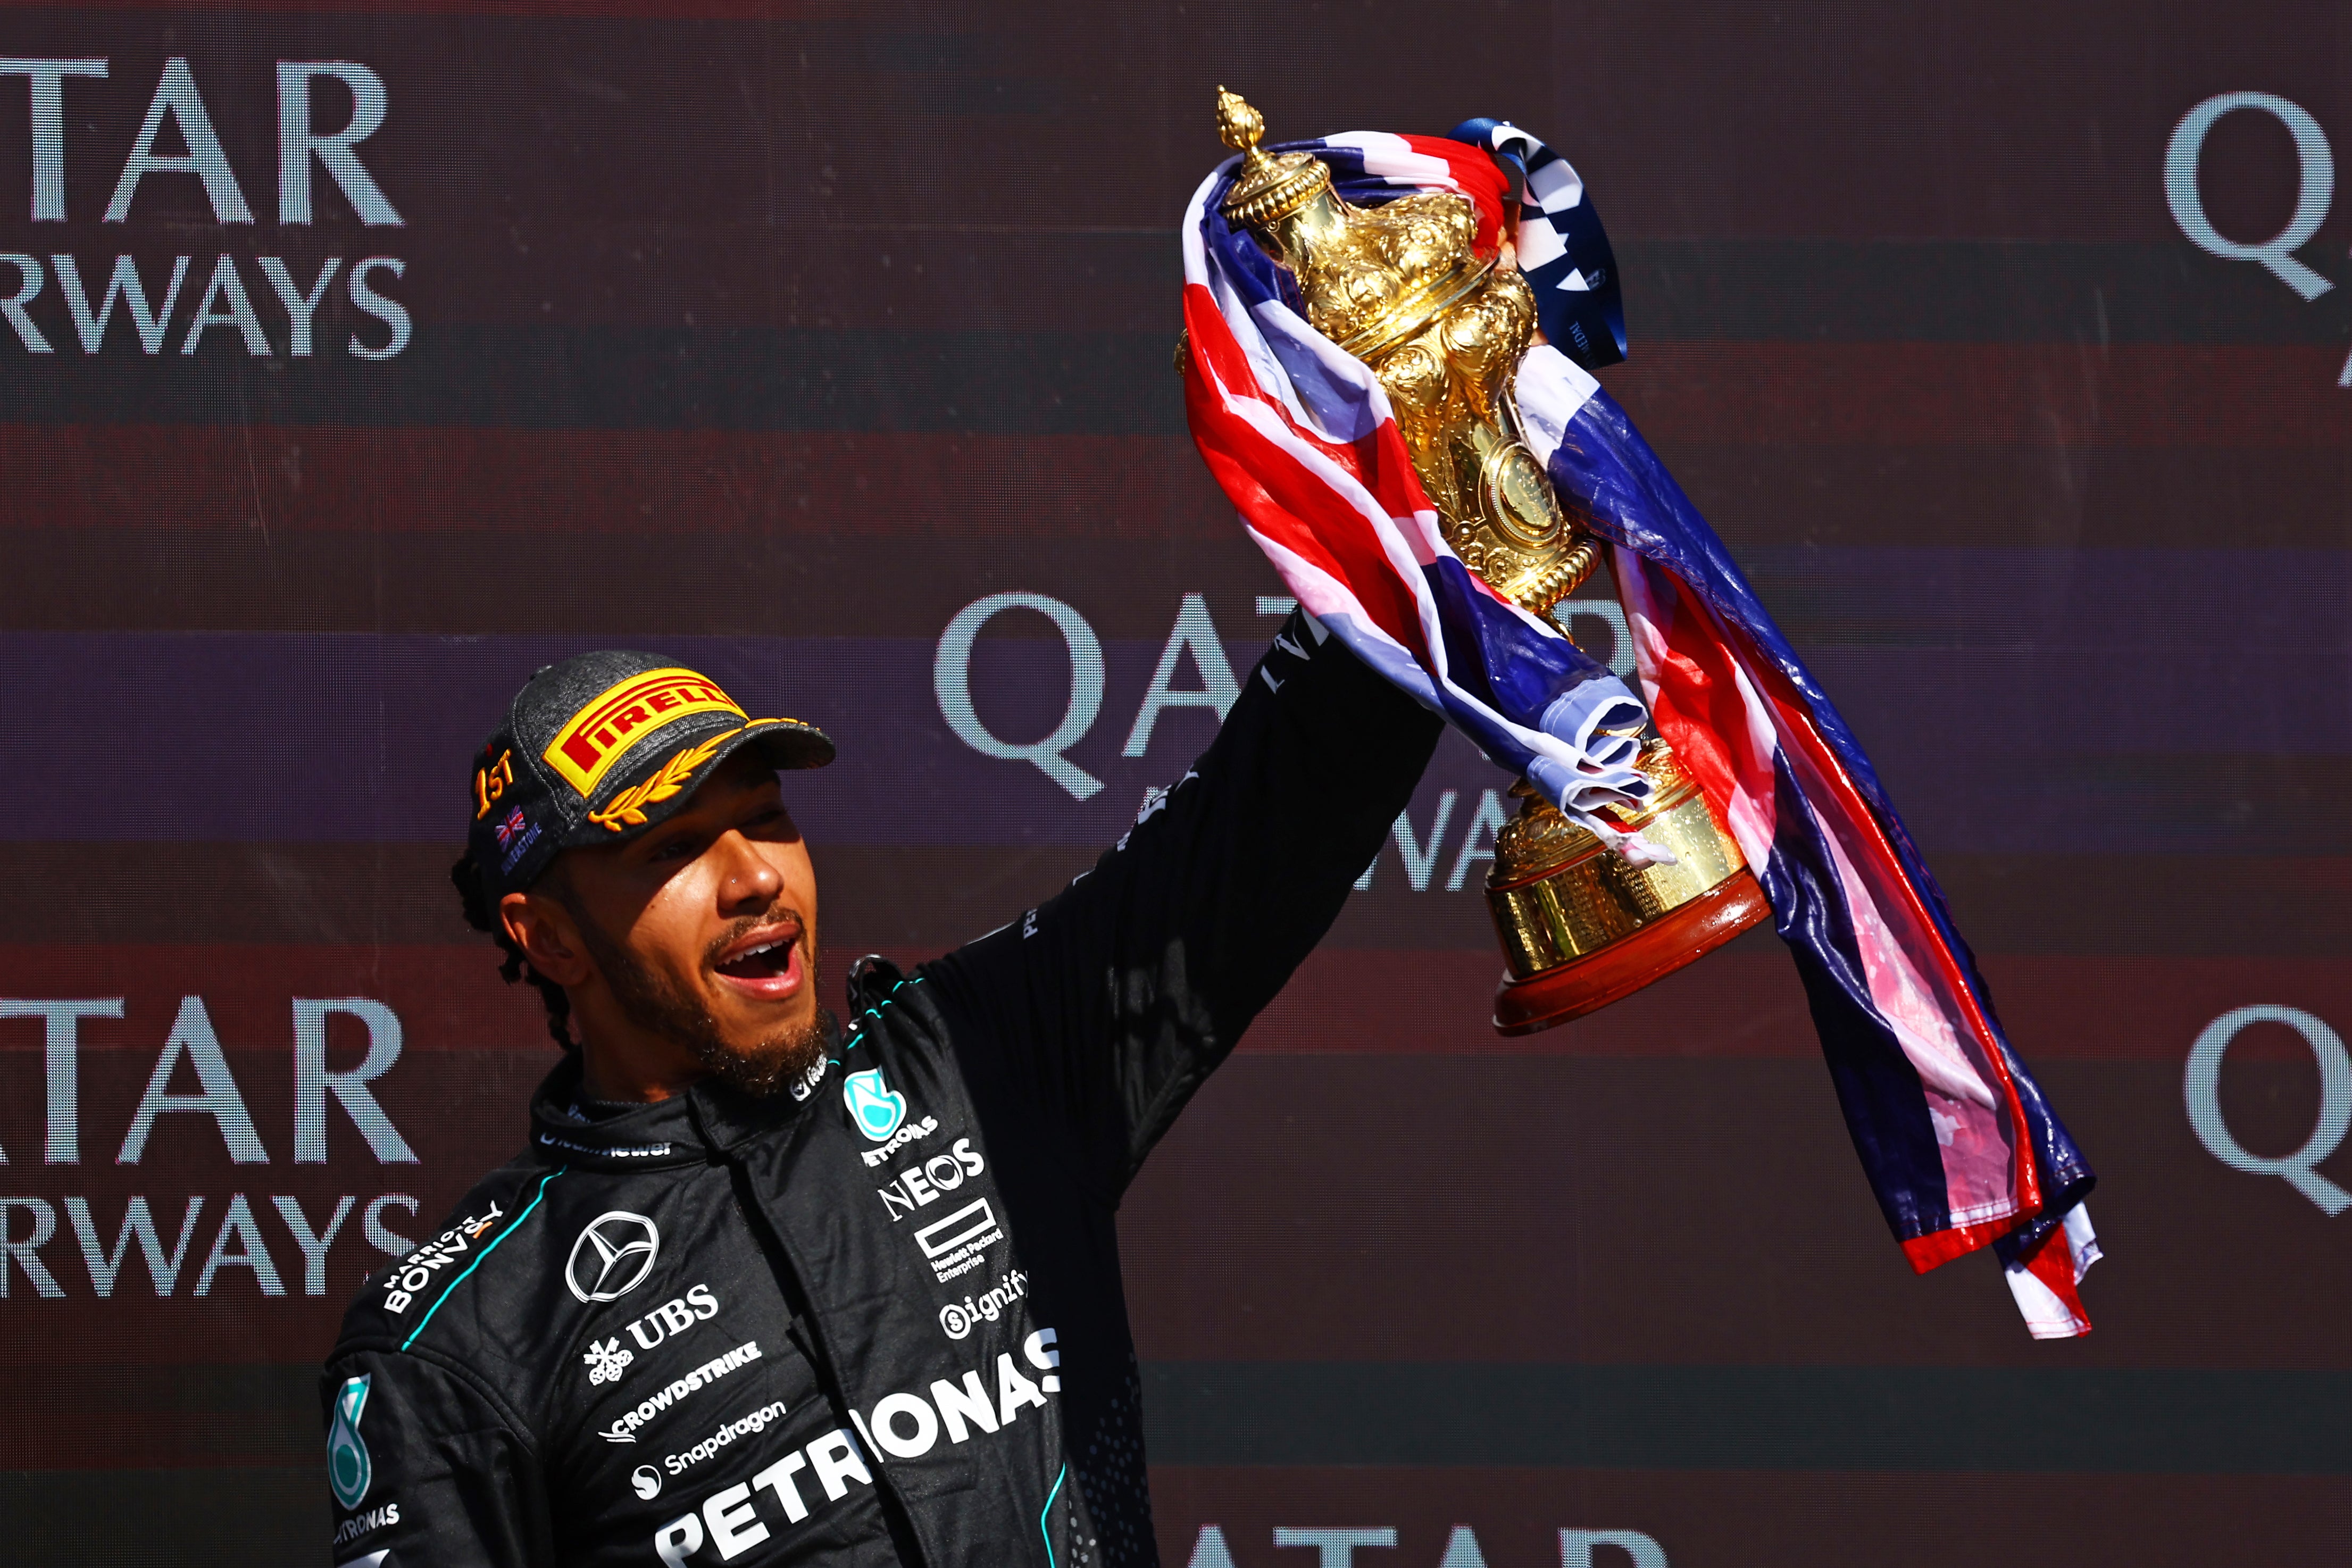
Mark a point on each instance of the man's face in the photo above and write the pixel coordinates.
(702, 933)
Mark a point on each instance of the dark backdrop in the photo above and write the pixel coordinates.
(775, 335)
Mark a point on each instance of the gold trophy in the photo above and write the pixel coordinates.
(1402, 288)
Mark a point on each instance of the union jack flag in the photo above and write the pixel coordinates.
(507, 830)
(1957, 1139)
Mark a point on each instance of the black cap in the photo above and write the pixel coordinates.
(602, 747)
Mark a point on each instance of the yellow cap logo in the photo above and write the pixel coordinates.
(584, 750)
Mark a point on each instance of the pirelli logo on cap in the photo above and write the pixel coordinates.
(584, 750)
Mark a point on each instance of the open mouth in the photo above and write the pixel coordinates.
(766, 964)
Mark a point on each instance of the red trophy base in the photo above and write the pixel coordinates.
(1591, 983)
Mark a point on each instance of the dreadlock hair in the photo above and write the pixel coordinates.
(466, 877)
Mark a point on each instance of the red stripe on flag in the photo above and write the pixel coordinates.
(1939, 1248)
(1700, 711)
(1277, 494)
(1475, 171)
(2052, 1261)
(1796, 730)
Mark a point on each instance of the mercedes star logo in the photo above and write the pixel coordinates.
(612, 1256)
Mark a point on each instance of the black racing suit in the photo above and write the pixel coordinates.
(877, 1320)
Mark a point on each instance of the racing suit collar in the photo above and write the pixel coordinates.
(727, 1117)
(710, 1116)
(659, 1133)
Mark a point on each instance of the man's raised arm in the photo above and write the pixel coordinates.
(1109, 1003)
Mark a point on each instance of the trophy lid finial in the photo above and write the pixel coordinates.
(1268, 187)
(1238, 125)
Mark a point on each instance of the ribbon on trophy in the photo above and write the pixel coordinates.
(1958, 1141)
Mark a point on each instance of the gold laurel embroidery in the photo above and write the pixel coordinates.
(628, 806)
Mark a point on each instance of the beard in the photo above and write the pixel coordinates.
(651, 1001)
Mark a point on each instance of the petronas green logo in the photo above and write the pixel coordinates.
(349, 1470)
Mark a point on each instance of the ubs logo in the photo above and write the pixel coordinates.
(612, 1257)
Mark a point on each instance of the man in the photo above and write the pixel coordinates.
(768, 1290)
